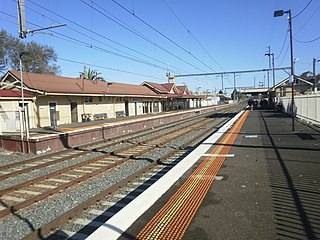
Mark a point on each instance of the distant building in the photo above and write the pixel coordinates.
(301, 86)
(177, 97)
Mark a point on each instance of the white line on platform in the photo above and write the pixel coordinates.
(251, 136)
(122, 220)
(218, 155)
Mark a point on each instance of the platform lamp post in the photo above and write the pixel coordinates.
(280, 13)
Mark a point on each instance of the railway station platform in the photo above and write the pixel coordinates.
(46, 139)
(254, 179)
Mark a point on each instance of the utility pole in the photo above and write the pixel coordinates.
(292, 70)
(22, 19)
(274, 84)
(273, 72)
(280, 13)
(269, 54)
(23, 31)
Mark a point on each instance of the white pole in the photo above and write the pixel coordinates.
(23, 118)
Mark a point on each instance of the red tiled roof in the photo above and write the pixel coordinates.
(181, 95)
(156, 86)
(13, 93)
(57, 84)
(164, 89)
(168, 86)
(161, 88)
(182, 89)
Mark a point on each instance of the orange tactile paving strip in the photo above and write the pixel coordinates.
(173, 219)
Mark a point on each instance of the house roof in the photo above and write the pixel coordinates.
(182, 89)
(254, 90)
(170, 90)
(160, 88)
(284, 82)
(5, 93)
(51, 84)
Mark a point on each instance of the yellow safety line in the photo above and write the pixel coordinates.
(188, 187)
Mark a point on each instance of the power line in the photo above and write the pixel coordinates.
(162, 34)
(108, 68)
(302, 9)
(137, 34)
(313, 40)
(76, 41)
(284, 42)
(311, 16)
(89, 45)
(189, 32)
(102, 36)
(285, 54)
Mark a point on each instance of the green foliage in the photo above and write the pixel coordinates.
(306, 75)
(91, 74)
(35, 57)
(309, 77)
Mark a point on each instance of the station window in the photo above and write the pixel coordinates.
(88, 99)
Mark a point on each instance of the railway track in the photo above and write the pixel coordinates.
(23, 195)
(28, 165)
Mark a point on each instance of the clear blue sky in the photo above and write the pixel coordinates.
(226, 35)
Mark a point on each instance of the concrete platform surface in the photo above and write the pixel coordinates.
(269, 189)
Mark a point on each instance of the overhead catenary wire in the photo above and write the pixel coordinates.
(138, 34)
(108, 68)
(162, 34)
(192, 35)
(97, 34)
(81, 43)
(91, 46)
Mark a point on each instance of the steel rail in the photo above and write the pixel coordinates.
(47, 228)
(43, 195)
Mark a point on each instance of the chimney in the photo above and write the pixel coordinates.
(171, 79)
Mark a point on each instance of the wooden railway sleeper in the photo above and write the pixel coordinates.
(14, 208)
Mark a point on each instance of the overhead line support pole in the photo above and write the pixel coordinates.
(222, 73)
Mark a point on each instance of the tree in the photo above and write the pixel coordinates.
(307, 75)
(35, 57)
(91, 74)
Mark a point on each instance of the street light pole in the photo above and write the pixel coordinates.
(280, 13)
(292, 70)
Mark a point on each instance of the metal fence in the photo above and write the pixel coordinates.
(306, 107)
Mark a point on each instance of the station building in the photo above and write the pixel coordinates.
(53, 100)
